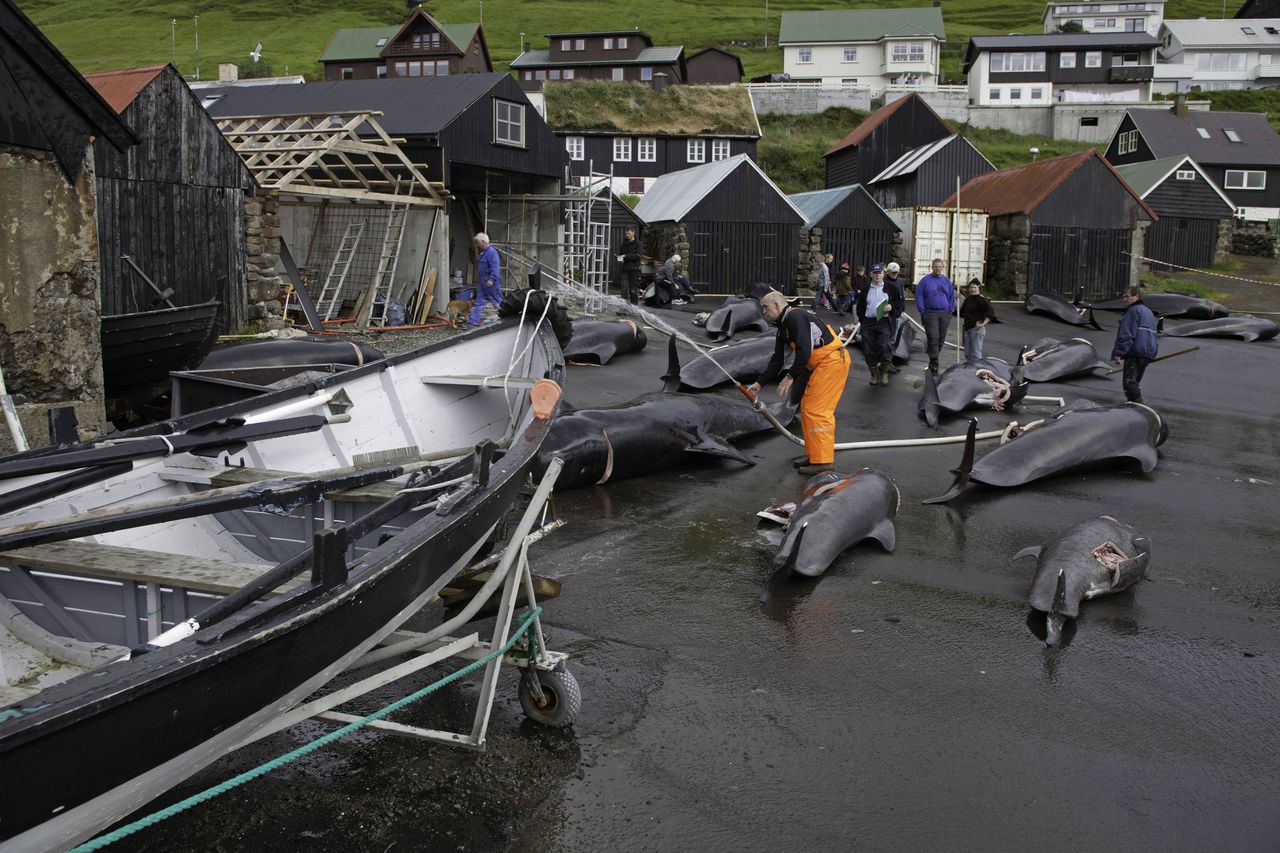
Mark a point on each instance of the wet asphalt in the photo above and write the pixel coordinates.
(900, 702)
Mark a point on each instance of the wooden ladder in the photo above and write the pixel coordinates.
(331, 294)
(384, 278)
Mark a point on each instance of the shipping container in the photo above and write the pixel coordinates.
(929, 232)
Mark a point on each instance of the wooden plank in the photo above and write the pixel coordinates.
(424, 305)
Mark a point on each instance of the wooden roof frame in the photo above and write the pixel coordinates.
(322, 154)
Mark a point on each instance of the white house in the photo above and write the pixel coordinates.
(869, 47)
(1240, 53)
(1143, 17)
(1039, 69)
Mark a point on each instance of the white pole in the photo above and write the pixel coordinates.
(197, 18)
(955, 231)
(173, 40)
(766, 23)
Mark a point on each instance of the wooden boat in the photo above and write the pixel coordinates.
(108, 570)
(139, 350)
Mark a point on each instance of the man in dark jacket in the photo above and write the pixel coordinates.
(1135, 343)
(820, 356)
(877, 307)
(629, 272)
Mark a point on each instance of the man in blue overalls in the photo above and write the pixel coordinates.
(488, 279)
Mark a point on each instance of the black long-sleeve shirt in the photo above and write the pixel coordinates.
(806, 332)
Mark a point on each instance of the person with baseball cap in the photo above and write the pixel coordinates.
(877, 307)
(822, 362)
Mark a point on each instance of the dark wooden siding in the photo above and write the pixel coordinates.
(858, 245)
(1142, 155)
(910, 126)
(672, 155)
(712, 67)
(1091, 196)
(1269, 197)
(630, 73)
(1069, 260)
(1186, 241)
(935, 180)
(842, 167)
(1193, 199)
(469, 138)
(175, 203)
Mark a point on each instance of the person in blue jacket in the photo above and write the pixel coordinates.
(936, 302)
(1135, 343)
(488, 279)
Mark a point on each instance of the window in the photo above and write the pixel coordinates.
(568, 73)
(719, 149)
(1204, 134)
(1231, 135)
(647, 149)
(1079, 23)
(348, 74)
(576, 147)
(1017, 61)
(1248, 31)
(622, 149)
(635, 186)
(1241, 179)
(528, 75)
(908, 51)
(619, 74)
(1220, 61)
(1186, 175)
(566, 44)
(1066, 60)
(1134, 25)
(540, 74)
(696, 151)
(1088, 121)
(608, 44)
(646, 73)
(1099, 23)
(442, 68)
(424, 41)
(622, 44)
(508, 123)
(849, 54)
(402, 69)
(1037, 94)
(381, 71)
(1119, 59)
(381, 42)
(579, 44)
(804, 55)
(1127, 142)
(1015, 93)
(553, 74)
(994, 93)
(1093, 59)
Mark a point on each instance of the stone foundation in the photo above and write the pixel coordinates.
(1254, 238)
(1008, 255)
(262, 255)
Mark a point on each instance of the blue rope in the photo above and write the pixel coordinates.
(324, 740)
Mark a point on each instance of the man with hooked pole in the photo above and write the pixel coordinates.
(820, 361)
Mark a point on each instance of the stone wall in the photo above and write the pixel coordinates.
(262, 255)
(794, 101)
(661, 240)
(807, 259)
(1008, 254)
(1226, 236)
(50, 305)
(1254, 238)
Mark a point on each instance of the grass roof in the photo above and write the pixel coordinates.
(606, 107)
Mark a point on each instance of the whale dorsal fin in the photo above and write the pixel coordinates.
(1029, 551)
(885, 533)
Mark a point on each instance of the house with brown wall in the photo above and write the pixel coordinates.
(419, 47)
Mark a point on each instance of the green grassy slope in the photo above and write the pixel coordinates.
(101, 34)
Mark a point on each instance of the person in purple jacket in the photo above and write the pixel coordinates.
(936, 302)
(488, 279)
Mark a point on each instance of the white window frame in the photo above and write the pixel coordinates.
(1017, 61)
(622, 149)
(348, 73)
(579, 44)
(1067, 60)
(849, 54)
(1185, 175)
(1231, 135)
(719, 149)
(567, 74)
(1203, 134)
(647, 149)
(1239, 179)
(553, 74)
(1037, 93)
(908, 51)
(1015, 93)
(503, 125)
(646, 73)
(608, 44)
(566, 45)
(1093, 59)
(804, 56)
(993, 94)
(576, 146)
(619, 74)
(381, 72)
(1128, 142)
(622, 43)
(696, 151)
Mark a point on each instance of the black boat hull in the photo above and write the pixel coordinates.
(139, 350)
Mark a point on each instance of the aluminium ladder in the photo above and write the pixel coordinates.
(331, 294)
(392, 238)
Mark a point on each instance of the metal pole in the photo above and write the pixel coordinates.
(173, 41)
(955, 290)
(197, 19)
(766, 23)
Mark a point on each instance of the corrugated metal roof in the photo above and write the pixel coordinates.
(1142, 178)
(411, 106)
(1227, 33)
(119, 88)
(913, 159)
(1168, 134)
(663, 55)
(674, 194)
(862, 25)
(1062, 41)
(876, 119)
(1022, 188)
(817, 204)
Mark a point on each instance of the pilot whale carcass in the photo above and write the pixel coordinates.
(1171, 305)
(1095, 557)
(737, 313)
(1057, 307)
(986, 383)
(836, 512)
(1050, 358)
(597, 341)
(1246, 327)
(1071, 439)
(744, 361)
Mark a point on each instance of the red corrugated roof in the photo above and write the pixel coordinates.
(1021, 188)
(119, 88)
(876, 119)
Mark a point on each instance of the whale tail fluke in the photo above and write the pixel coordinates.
(930, 405)
(1093, 320)
(779, 576)
(964, 471)
(1055, 618)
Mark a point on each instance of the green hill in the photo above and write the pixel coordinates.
(102, 34)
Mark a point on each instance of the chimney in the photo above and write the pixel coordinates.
(937, 4)
(228, 72)
(659, 81)
(1180, 105)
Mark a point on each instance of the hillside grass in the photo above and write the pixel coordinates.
(598, 105)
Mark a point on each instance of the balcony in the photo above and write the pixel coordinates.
(1131, 73)
(1266, 72)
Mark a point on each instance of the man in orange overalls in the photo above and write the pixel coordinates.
(820, 354)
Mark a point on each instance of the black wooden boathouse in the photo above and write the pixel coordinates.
(884, 136)
(1195, 214)
(854, 227)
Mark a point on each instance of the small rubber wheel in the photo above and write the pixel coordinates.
(561, 698)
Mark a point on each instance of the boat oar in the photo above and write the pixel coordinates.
(1154, 360)
(60, 485)
(193, 441)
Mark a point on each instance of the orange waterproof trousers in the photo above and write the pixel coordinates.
(828, 371)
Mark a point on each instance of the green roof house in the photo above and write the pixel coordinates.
(420, 47)
(874, 48)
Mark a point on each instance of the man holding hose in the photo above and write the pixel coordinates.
(821, 359)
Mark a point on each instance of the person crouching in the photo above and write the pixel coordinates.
(820, 356)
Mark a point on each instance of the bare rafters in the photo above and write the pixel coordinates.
(329, 154)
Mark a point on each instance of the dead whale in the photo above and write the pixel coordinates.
(1245, 327)
(744, 360)
(1050, 358)
(652, 433)
(736, 314)
(1171, 305)
(1078, 437)
(290, 352)
(1095, 557)
(836, 512)
(1057, 307)
(597, 341)
(986, 383)
(902, 341)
